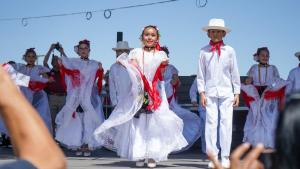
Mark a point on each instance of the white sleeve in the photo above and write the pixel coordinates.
(132, 54)
(276, 73)
(19, 78)
(163, 56)
(235, 75)
(201, 74)
(291, 81)
(43, 69)
(250, 72)
(193, 91)
(112, 88)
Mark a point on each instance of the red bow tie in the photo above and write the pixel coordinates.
(216, 46)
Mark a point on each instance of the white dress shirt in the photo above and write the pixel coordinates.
(218, 76)
(294, 80)
(119, 82)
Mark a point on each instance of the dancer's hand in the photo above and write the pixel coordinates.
(236, 100)
(248, 80)
(203, 99)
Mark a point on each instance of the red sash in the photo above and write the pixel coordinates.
(175, 86)
(74, 74)
(248, 99)
(153, 93)
(36, 85)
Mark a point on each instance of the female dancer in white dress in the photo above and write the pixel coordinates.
(263, 93)
(192, 129)
(142, 127)
(38, 81)
(82, 113)
(20, 80)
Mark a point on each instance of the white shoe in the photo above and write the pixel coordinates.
(151, 163)
(140, 163)
(78, 153)
(225, 162)
(211, 165)
(87, 154)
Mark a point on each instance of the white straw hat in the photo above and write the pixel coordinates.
(218, 24)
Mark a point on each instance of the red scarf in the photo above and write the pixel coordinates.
(74, 74)
(99, 75)
(175, 86)
(216, 46)
(152, 91)
(247, 99)
(278, 94)
(36, 85)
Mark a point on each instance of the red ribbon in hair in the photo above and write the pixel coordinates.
(157, 46)
(175, 86)
(74, 74)
(280, 94)
(152, 90)
(216, 46)
(36, 85)
(248, 99)
(99, 75)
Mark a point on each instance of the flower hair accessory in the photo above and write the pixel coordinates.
(85, 41)
(255, 57)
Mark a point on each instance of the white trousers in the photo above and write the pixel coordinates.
(215, 106)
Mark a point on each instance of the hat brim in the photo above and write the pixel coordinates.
(206, 28)
(121, 49)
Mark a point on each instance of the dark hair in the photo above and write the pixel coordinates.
(262, 49)
(165, 49)
(150, 26)
(28, 51)
(11, 62)
(85, 41)
(288, 136)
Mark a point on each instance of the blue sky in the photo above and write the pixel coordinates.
(254, 24)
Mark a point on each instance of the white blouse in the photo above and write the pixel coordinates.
(263, 76)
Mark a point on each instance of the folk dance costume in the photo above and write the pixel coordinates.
(20, 80)
(34, 92)
(151, 132)
(119, 83)
(82, 113)
(294, 79)
(219, 78)
(263, 99)
(201, 110)
(192, 128)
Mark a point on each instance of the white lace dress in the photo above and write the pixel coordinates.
(152, 135)
(76, 128)
(262, 117)
(20, 80)
(38, 99)
(192, 128)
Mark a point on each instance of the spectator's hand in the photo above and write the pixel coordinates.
(52, 47)
(236, 100)
(250, 161)
(51, 79)
(203, 99)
